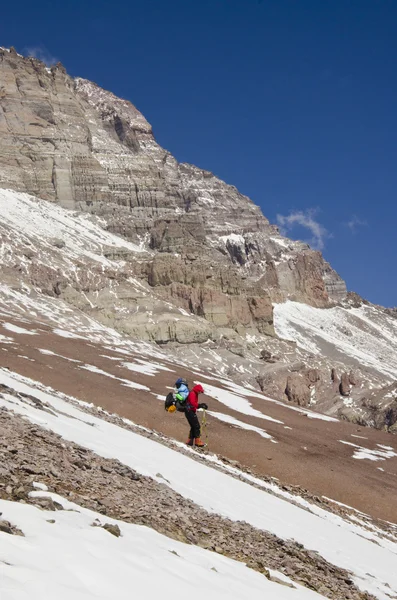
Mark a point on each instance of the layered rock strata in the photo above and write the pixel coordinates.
(210, 249)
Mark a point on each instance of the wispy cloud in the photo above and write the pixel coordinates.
(41, 53)
(305, 219)
(355, 223)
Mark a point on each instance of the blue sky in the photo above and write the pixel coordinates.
(292, 101)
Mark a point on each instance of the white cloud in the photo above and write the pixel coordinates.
(305, 219)
(41, 53)
(354, 223)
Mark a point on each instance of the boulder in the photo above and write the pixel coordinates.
(298, 390)
(344, 386)
(312, 375)
(265, 355)
(353, 378)
(113, 529)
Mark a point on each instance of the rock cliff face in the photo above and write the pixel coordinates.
(210, 250)
(168, 253)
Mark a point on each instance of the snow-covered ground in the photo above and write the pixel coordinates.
(143, 366)
(75, 558)
(239, 402)
(127, 382)
(31, 218)
(67, 322)
(366, 334)
(237, 423)
(370, 556)
(361, 453)
(17, 329)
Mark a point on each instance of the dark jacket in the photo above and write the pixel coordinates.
(192, 401)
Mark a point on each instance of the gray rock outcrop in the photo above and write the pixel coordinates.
(211, 250)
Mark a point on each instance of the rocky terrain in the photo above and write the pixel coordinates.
(78, 357)
(168, 253)
(68, 141)
(30, 453)
(48, 463)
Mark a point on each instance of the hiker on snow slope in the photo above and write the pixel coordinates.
(192, 404)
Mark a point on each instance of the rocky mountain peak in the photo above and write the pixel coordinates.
(69, 141)
(111, 107)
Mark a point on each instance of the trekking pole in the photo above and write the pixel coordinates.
(204, 427)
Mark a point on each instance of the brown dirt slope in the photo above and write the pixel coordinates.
(308, 452)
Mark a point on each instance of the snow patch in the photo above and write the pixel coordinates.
(6, 340)
(366, 454)
(365, 334)
(237, 423)
(51, 353)
(68, 334)
(17, 329)
(126, 382)
(235, 402)
(143, 366)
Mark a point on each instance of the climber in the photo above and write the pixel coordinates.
(192, 404)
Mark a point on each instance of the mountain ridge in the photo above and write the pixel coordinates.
(200, 263)
(106, 160)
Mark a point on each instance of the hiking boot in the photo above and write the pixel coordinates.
(189, 442)
(199, 443)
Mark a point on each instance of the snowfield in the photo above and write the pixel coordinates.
(366, 334)
(74, 559)
(29, 217)
(367, 554)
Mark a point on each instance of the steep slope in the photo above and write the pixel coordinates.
(42, 338)
(167, 252)
(56, 263)
(70, 256)
(121, 269)
(70, 142)
(360, 341)
(101, 566)
(138, 476)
